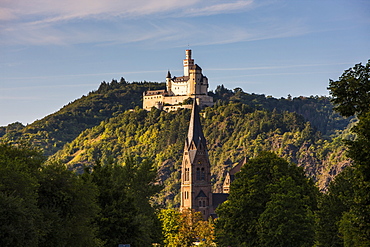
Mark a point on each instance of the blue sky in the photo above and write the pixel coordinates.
(53, 52)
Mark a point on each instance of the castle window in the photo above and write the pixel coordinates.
(203, 174)
(198, 173)
(204, 203)
(200, 203)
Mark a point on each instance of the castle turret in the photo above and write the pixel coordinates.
(188, 62)
(169, 83)
(196, 191)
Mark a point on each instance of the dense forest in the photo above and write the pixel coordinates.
(102, 170)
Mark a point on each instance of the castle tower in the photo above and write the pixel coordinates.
(196, 190)
(169, 83)
(188, 62)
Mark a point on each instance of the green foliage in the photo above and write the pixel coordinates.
(43, 205)
(351, 96)
(124, 192)
(318, 110)
(233, 131)
(271, 203)
(68, 208)
(49, 205)
(53, 131)
(351, 93)
(332, 205)
(186, 227)
(19, 216)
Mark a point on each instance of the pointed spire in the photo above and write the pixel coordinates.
(195, 132)
(168, 74)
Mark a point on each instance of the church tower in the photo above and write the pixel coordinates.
(196, 190)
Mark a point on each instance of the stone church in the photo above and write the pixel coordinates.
(196, 188)
(179, 89)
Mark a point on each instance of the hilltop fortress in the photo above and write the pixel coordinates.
(180, 89)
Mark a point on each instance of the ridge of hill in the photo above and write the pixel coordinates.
(53, 131)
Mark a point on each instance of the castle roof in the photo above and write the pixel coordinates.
(168, 74)
(155, 92)
(195, 133)
(181, 78)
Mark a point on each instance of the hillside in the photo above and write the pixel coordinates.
(233, 131)
(55, 130)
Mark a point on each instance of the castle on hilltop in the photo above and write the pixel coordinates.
(180, 89)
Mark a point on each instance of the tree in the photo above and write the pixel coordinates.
(68, 206)
(271, 203)
(351, 96)
(331, 207)
(351, 93)
(20, 218)
(184, 228)
(124, 193)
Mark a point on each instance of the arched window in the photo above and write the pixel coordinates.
(187, 174)
(203, 174)
(198, 173)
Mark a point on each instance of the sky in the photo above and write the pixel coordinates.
(53, 52)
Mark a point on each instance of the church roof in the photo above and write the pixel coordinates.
(195, 132)
(218, 198)
(237, 168)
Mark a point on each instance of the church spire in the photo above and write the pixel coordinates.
(195, 133)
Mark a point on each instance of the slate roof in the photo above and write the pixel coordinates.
(236, 169)
(195, 132)
(181, 79)
(218, 198)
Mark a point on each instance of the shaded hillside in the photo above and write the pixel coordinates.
(316, 109)
(53, 131)
(233, 130)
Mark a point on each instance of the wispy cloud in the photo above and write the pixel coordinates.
(218, 8)
(69, 22)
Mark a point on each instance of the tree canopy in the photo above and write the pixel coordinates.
(271, 203)
(351, 96)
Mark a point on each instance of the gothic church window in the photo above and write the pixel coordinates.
(203, 174)
(187, 174)
(198, 173)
